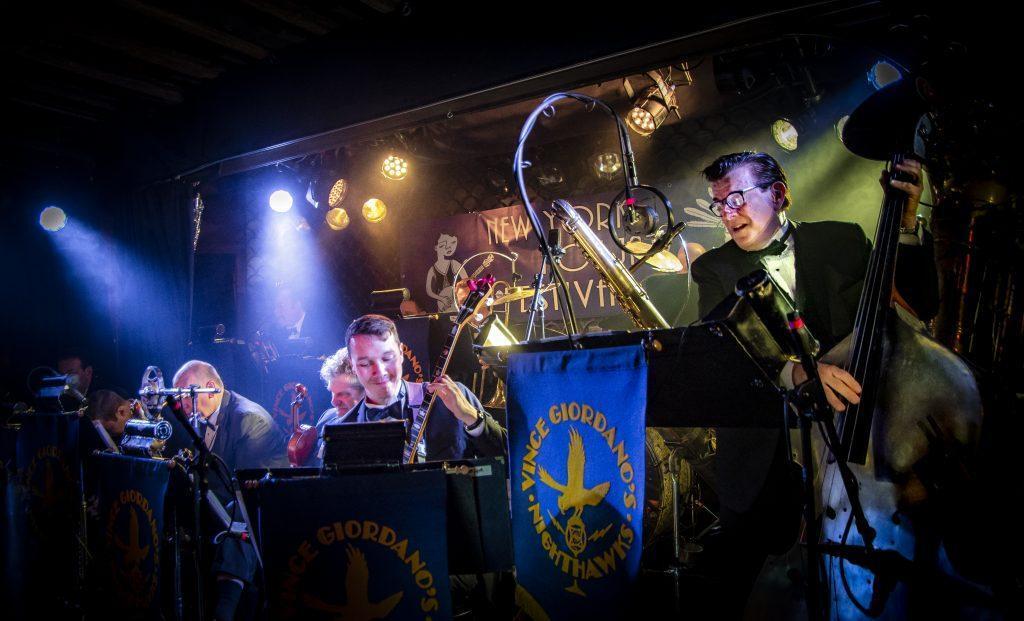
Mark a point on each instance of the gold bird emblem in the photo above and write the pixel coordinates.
(357, 605)
(573, 495)
(133, 552)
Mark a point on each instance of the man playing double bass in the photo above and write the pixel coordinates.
(821, 267)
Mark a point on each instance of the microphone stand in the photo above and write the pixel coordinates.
(812, 406)
(199, 467)
(536, 304)
(196, 469)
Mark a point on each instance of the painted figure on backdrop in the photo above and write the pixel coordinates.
(443, 272)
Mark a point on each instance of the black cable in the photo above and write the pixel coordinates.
(842, 573)
(518, 165)
(628, 170)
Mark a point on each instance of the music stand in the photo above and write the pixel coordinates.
(364, 444)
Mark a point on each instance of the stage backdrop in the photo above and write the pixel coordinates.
(576, 438)
(435, 251)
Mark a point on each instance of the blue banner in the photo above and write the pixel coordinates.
(576, 436)
(356, 547)
(43, 517)
(131, 493)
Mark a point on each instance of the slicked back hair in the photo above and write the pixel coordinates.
(376, 325)
(764, 167)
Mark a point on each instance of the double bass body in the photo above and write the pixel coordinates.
(926, 422)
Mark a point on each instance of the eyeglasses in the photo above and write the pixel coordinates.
(735, 199)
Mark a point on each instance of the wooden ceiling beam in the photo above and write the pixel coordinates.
(196, 29)
(382, 6)
(171, 60)
(162, 92)
(69, 92)
(296, 16)
(53, 108)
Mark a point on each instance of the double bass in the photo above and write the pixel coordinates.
(908, 442)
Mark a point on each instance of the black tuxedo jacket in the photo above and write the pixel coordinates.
(831, 261)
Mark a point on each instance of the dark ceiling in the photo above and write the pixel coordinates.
(75, 71)
(145, 89)
(157, 87)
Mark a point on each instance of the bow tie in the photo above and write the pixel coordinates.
(773, 249)
(396, 410)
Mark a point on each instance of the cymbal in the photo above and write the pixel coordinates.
(514, 294)
(664, 261)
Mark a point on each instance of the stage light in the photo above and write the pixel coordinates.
(550, 176)
(607, 164)
(374, 210)
(394, 168)
(883, 73)
(53, 219)
(648, 113)
(327, 189)
(840, 124)
(281, 201)
(785, 134)
(337, 218)
(337, 193)
(652, 105)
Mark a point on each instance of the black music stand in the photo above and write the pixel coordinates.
(376, 443)
(479, 524)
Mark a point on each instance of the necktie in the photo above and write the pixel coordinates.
(203, 425)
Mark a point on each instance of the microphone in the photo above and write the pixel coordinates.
(555, 237)
(153, 377)
(71, 389)
(555, 244)
(150, 391)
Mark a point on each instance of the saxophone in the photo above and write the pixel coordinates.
(629, 293)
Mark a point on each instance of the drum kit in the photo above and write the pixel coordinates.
(674, 494)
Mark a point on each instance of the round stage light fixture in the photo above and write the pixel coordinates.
(337, 193)
(607, 164)
(53, 218)
(394, 168)
(650, 110)
(281, 201)
(337, 218)
(374, 210)
(883, 73)
(785, 134)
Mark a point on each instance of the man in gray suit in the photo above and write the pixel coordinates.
(243, 435)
